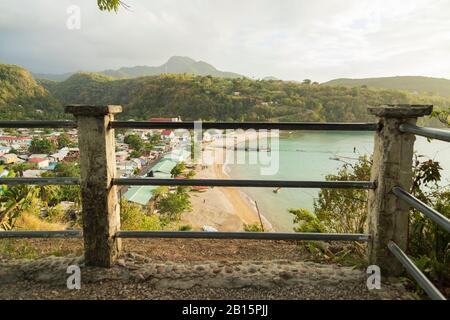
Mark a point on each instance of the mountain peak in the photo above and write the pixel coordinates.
(175, 64)
(180, 59)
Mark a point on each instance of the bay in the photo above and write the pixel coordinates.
(312, 156)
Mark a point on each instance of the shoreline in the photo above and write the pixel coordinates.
(224, 208)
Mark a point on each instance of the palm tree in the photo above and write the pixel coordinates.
(12, 203)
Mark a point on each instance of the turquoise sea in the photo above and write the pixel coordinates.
(312, 156)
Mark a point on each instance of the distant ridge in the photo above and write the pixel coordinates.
(417, 84)
(176, 65)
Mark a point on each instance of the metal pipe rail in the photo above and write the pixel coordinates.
(415, 272)
(40, 181)
(41, 234)
(244, 235)
(295, 126)
(53, 124)
(431, 213)
(425, 132)
(245, 183)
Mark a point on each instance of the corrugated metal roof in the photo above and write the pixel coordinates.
(140, 194)
(164, 165)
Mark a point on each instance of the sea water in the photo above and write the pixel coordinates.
(312, 156)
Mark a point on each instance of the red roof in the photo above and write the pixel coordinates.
(166, 132)
(14, 138)
(37, 160)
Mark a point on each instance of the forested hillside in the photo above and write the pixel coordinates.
(423, 85)
(22, 98)
(195, 97)
(208, 98)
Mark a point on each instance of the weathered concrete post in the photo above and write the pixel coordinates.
(101, 214)
(392, 166)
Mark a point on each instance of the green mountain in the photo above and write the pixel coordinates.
(21, 97)
(239, 99)
(195, 97)
(422, 85)
(175, 65)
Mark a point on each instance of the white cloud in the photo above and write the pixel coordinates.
(289, 39)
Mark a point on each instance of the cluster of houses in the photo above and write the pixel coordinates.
(14, 149)
(173, 148)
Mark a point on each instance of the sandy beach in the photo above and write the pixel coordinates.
(226, 209)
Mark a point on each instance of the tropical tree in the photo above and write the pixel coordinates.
(171, 205)
(178, 169)
(41, 145)
(13, 201)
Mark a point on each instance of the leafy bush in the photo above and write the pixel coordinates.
(185, 227)
(132, 217)
(254, 227)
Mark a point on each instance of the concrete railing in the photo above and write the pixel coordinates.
(388, 214)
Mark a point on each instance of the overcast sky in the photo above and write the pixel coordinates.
(291, 40)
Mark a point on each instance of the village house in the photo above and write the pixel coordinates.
(167, 135)
(164, 119)
(11, 140)
(4, 150)
(39, 163)
(8, 158)
(33, 173)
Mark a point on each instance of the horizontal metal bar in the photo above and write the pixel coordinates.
(40, 181)
(38, 124)
(426, 132)
(415, 272)
(434, 215)
(247, 125)
(41, 234)
(245, 183)
(244, 235)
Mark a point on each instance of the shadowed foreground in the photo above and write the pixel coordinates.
(195, 269)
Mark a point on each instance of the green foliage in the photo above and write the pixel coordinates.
(429, 244)
(134, 141)
(135, 154)
(21, 97)
(185, 227)
(209, 98)
(66, 192)
(13, 201)
(41, 145)
(345, 211)
(442, 115)
(132, 217)
(254, 227)
(307, 221)
(172, 204)
(109, 5)
(63, 140)
(178, 169)
(424, 85)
